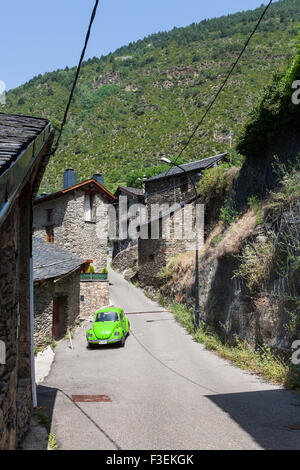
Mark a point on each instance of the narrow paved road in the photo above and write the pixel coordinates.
(167, 392)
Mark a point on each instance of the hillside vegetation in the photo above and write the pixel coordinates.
(140, 103)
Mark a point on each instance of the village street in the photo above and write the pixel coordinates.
(166, 391)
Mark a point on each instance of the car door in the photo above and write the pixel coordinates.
(122, 317)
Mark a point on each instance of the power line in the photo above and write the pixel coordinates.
(224, 83)
(170, 368)
(76, 77)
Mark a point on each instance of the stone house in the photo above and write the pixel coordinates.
(25, 145)
(171, 209)
(56, 275)
(174, 185)
(75, 218)
(125, 198)
(165, 236)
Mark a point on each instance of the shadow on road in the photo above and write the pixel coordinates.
(268, 416)
(271, 417)
(46, 397)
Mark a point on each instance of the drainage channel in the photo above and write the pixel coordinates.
(91, 398)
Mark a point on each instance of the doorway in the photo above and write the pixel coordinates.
(59, 316)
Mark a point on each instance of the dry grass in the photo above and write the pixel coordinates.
(255, 264)
(182, 267)
(182, 270)
(260, 360)
(234, 237)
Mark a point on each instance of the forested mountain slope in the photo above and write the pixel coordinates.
(140, 103)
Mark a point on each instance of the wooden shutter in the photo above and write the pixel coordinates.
(87, 208)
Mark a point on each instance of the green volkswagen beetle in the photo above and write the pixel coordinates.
(110, 326)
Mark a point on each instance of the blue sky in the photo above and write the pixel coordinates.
(41, 36)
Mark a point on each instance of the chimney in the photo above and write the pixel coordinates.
(69, 178)
(99, 178)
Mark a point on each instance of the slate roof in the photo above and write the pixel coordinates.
(189, 167)
(16, 133)
(49, 261)
(136, 192)
(91, 182)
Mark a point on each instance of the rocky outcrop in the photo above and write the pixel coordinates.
(259, 314)
(126, 262)
(108, 78)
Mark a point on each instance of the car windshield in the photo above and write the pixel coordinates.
(107, 316)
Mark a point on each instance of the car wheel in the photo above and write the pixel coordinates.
(122, 342)
(90, 346)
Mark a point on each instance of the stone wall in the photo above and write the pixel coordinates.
(225, 304)
(24, 407)
(170, 190)
(94, 295)
(154, 254)
(44, 293)
(153, 257)
(88, 240)
(15, 396)
(15, 253)
(8, 330)
(43, 311)
(70, 287)
(126, 262)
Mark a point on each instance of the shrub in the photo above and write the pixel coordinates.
(228, 214)
(255, 264)
(213, 183)
(274, 114)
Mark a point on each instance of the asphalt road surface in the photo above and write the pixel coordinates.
(167, 392)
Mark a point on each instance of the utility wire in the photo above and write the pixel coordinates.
(223, 84)
(170, 368)
(76, 77)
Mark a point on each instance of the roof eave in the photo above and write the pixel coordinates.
(170, 175)
(76, 187)
(13, 178)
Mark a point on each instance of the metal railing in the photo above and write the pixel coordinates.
(93, 276)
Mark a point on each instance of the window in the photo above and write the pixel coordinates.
(85, 267)
(89, 208)
(50, 234)
(107, 316)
